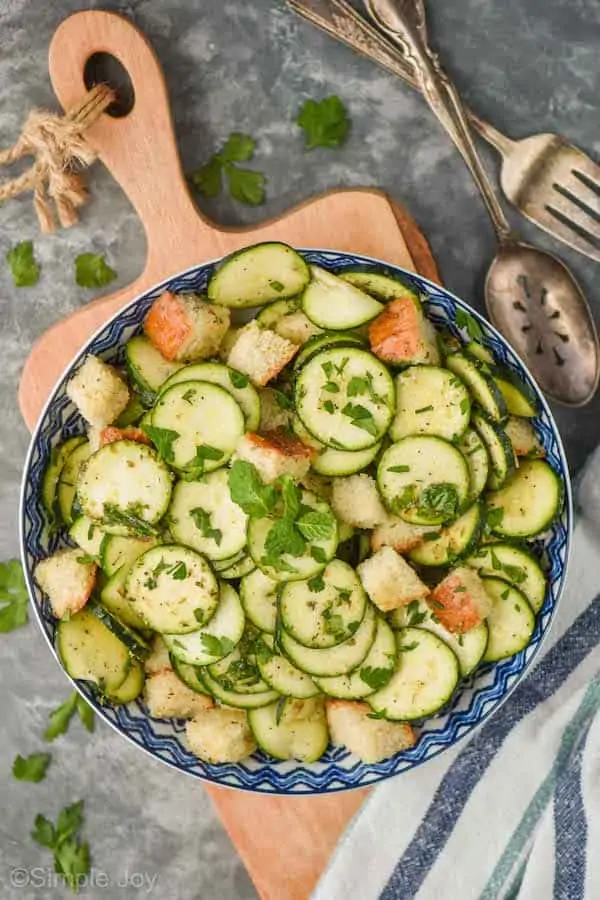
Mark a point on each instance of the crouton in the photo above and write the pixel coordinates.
(220, 735)
(296, 327)
(98, 392)
(167, 697)
(67, 580)
(111, 433)
(275, 453)
(402, 335)
(397, 533)
(522, 436)
(260, 353)
(186, 327)
(356, 501)
(460, 601)
(273, 415)
(158, 660)
(389, 580)
(370, 739)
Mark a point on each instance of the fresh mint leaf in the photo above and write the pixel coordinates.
(360, 417)
(91, 271)
(60, 717)
(246, 185)
(86, 713)
(316, 584)
(319, 555)
(376, 678)
(284, 537)
(316, 526)
(25, 270)
(291, 496)
(465, 320)
(32, 767)
(440, 499)
(163, 439)
(203, 522)
(194, 470)
(217, 646)
(238, 147)
(325, 123)
(14, 599)
(406, 498)
(247, 490)
(238, 380)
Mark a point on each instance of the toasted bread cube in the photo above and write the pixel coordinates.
(221, 735)
(273, 415)
(460, 601)
(186, 327)
(370, 739)
(356, 501)
(260, 353)
(296, 327)
(389, 580)
(98, 392)
(67, 580)
(402, 335)
(400, 535)
(158, 660)
(111, 433)
(167, 697)
(523, 438)
(275, 453)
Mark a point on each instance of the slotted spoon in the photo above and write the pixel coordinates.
(549, 180)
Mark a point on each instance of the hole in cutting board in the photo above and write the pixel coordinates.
(104, 68)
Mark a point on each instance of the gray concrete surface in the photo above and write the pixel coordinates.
(236, 65)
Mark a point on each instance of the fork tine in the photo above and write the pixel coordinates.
(591, 178)
(559, 224)
(588, 214)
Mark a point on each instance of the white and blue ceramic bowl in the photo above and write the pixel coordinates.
(338, 769)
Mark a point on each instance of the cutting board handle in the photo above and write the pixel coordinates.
(140, 143)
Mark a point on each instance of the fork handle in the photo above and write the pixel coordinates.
(443, 98)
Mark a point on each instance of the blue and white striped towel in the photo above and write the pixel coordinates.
(514, 813)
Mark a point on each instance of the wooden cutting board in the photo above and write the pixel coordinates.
(285, 842)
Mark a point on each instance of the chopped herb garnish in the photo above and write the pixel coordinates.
(276, 285)
(238, 380)
(431, 536)
(178, 571)
(399, 469)
(406, 648)
(494, 517)
(423, 409)
(465, 320)
(129, 518)
(282, 400)
(316, 525)
(195, 468)
(163, 439)
(216, 646)
(441, 499)
(361, 417)
(329, 407)
(331, 387)
(465, 405)
(316, 584)
(318, 554)
(377, 715)
(203, 522)
(375, 678)
(280, 708)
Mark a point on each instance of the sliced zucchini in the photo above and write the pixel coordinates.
(66, 494)
(258, 594)
(519, 398)
(430, 400)
(239, 568)
(118, 551)
(147, 368)
(270, 315)
(317, 553)
(481, 353)
(454, 541)
(483, 389)
(203, 516)
(326, 610)
(382, 287)
(511, 621)
(173, 589)
(372, 674)
(238, 671)
(334, 660)
(215, 640)
(503, 461)
(425, 679)
(523, 438)
(424, 480)
(88, 535)
(201, 424)
(324, 342)
(258, 275)
(131, 688)
(528, 505)
(190, 675)
(334, 304)
(280, 674)
(52, 473)
(468, 647)
(473, 449)
(235, 383)
(126, 487)
(114, 598)
(514, 565)
(235, 698)
(330, 462)
(345, 397)
(220, 565)
(134, 642)
(291, 729)
(90, 652)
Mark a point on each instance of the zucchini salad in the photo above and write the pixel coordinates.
(304, 529)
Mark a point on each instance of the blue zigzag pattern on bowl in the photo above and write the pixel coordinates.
(338, 770)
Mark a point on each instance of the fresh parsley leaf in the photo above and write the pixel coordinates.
(130, 518)
(376, 678)
(217, 646)
(25, 270)
(14, 599)
(86, 713)
(291, 496)
(331, 387)
(318, 554)
(178, 571)
(357, 386)
(282, 400)
(189, 395)
(92, 271)
(280, 708)
(207, 179)
(325, 123)
(377, 715)
(246, 185)
(494, 517)
(316, 526)
(406, 648)
(43, 832)
(203, 522)
(163, 439)
(440, 498)
(238, 380)
(32, 767)
(247, 490)
(263, 651)
(328, 368)
(416, 617)
(465, 405)
(60, 717)
(316, 584)
(406, 498)
(72, 860)
(329, 407)
(194, 470)
(284, 537)
(399, 469)
(239, 147)
(333, 623)
(360, 417)
(70, 819)
(465, 320)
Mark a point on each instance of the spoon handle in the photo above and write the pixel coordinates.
(404, 22)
